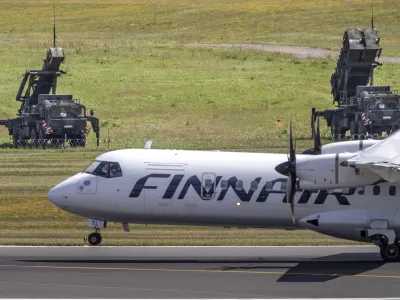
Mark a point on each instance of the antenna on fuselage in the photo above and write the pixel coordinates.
(148, 144)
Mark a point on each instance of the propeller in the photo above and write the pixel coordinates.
(288, 168)
(317, 143)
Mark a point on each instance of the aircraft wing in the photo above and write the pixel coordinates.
(382, 158)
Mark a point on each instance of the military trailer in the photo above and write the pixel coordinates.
(361, 109)
(44, 117)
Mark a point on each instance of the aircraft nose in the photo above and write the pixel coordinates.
(61, 194)
(58, 195)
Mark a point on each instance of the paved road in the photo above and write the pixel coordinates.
(297, 51)
(196, 272)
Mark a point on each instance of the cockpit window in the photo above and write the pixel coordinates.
(104, 169)
(115, 170)
(92, 167)
(388, 102)
(63, 111)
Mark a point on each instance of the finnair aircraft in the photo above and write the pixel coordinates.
(348, 190)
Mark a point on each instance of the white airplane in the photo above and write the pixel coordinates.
(348, 191)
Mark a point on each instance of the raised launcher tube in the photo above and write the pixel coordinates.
(42, 81)
(356, 62)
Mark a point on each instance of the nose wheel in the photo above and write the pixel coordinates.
(94, 238)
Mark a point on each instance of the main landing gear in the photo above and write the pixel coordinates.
(389, 252)
(94, 238)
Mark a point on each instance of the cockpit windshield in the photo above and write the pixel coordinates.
(105, 169)
(384, 102)
(64, 111)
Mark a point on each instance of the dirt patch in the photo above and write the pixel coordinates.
(297, 51)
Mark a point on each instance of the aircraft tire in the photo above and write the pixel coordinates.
(94, 238)
(390, 253)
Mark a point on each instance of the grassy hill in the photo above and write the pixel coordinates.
(125, 60)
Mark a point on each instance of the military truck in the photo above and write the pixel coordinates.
(361, 108)
(44, 117)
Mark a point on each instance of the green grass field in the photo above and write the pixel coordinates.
(127, 61)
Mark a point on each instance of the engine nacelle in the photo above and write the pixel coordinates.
(347, 146)
(321, 172)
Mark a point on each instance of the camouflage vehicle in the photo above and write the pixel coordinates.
(45, 117)
(361, 109)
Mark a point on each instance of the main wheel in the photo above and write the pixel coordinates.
(42, 138)
(94, 238)
(390, 253)
(353, 130)
(361, 130)
(34, 137)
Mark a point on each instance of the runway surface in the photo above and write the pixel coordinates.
(196, 272)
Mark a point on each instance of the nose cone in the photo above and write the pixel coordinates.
(59, 195)
(62, 194)
(54, 195)
(285, 168)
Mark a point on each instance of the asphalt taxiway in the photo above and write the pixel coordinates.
(196, 272)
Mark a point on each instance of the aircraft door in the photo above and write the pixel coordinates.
(208, 185)
(164, 182)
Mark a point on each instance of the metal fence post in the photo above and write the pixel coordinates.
(108, 137)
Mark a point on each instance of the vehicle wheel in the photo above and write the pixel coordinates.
(42, 138)
(21, 140)
(353, 130)
(82, 141)
(34, 138)
(94, 238)
(15, 141)
(390, 253)
(334, 132)
(361, 130)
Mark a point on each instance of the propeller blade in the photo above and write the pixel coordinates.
(292, 194)
(288, 168)
(291, 148)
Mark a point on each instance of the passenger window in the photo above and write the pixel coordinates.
(253, 185)
(224, 184)
(102, 169)
(115, 170)
(392, 190)
(239, 185)
(208, 183)
(268, 186)
(376, 190)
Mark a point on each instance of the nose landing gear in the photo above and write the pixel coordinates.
(94, 238)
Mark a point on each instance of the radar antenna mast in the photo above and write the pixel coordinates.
(372, 18)
(54, 23)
